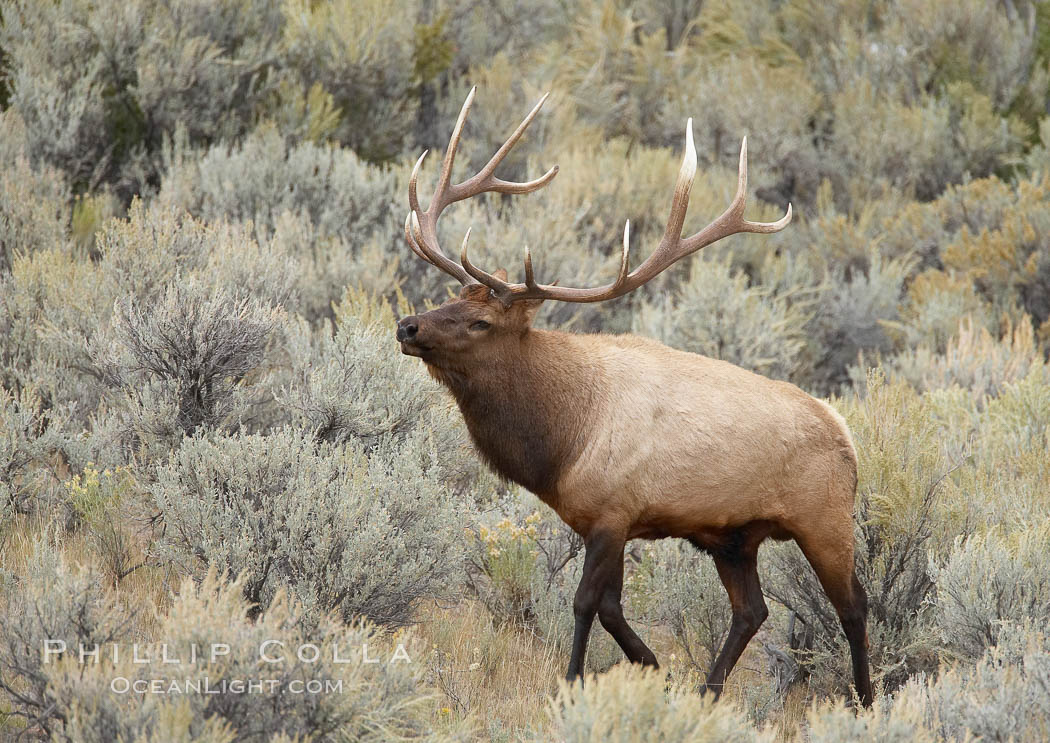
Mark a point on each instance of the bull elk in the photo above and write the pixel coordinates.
(628, 439)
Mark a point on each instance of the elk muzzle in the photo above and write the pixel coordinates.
(407, 329)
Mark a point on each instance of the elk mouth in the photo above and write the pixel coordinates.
(410, 348)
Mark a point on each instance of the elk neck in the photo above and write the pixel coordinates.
(528, 407)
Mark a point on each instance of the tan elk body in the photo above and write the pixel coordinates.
(625, 438)
(768, 450)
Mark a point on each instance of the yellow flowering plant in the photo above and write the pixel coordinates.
(514, 559)
(98, 498)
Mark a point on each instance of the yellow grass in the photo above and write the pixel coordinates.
(499, 677)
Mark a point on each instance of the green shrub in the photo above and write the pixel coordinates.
(370, 701)
(678, 20)
(159, 243)
(855, 314)
(304, 115)
(1002, 697)
(525, 567)
(48, 290)
(514, 560)
(908, 48)
(974, 359)
(989, 580)
(939, 307)
(614, 70)
(341, 531)
(73, 699)
(49, 600)
(99, 499)
(100, 85)
(918, 94)
(629, 704)
(523, 31)
(347, 382)
(261, 176)
(504, 561)
(999, 248)
(900, 721)
(318, 207)
(362, 54)
(196, 345)
(677, 587)
(59, 309)
(980, 242)
(30, 434)
(716, 313)
(33, 202)
(775, 115)
(920, 148)
(1003, 479)
(986, 45)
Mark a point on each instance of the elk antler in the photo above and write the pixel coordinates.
(422, 236)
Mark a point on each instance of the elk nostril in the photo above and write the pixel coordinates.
(407, 329)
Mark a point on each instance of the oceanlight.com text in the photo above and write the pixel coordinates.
(204, 685)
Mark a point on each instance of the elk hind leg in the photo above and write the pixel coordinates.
(834, 569)
(738, 569)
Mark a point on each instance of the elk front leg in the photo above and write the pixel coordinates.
(610, 614)
(602, 571)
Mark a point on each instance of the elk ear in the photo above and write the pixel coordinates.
(501, 274)
(529, 308)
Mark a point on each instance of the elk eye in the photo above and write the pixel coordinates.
(480, 325)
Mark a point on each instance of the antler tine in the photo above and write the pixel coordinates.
(453, 145)
(413, 197)
(625, 258)
(499, 287)
(765, 228)
(498, 185)
(411, 240)
(741, 195)
(741, 177)
(682, 188)
(530, 279)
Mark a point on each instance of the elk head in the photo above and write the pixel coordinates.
(490, 314)
(467, 329)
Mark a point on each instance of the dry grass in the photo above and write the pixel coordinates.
(145, 592)
(498, 677)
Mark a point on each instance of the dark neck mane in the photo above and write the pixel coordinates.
(526, 411)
